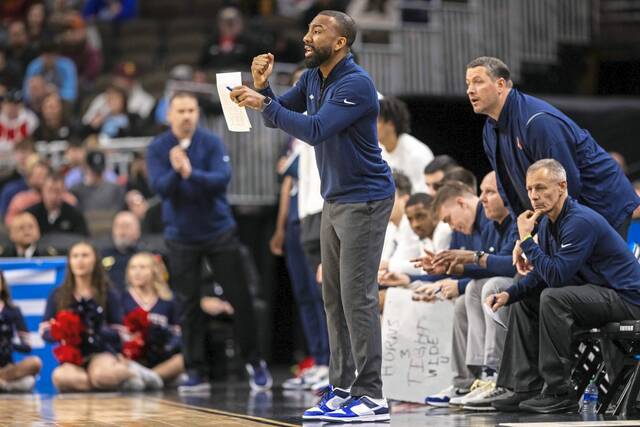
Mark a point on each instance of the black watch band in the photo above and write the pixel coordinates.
(266, 102)
(477, 256)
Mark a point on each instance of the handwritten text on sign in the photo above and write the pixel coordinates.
(416, 346)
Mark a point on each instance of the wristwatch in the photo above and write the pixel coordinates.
(266, 102)
(477, 255)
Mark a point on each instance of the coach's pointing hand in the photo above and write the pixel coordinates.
(245, 97)
(261, 69)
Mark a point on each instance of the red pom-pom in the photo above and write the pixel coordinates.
(68, 354)
(137, 321)
(67, 327)
(133, 349)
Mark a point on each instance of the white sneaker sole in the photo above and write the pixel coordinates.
(438, 404)
(195, 390)
(313, 417)
(479, 408)
(360, 419)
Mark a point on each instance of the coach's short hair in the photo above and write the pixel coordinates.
(465, 176)
(450, 190)
(494, 66)
(346, 25)
(395, 111)
(182, 94)
(555, 169)
(442, 163)
(402, 183)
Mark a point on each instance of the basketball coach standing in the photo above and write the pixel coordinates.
(342, 107)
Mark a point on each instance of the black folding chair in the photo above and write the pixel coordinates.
(619, 397)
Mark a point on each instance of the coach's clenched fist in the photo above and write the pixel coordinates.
(261, 69)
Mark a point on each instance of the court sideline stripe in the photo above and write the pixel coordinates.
(227, 414)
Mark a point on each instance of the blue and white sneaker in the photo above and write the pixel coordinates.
(442, 398)
(259, 376)
(194, 384)
(332, 399)
(360, 409)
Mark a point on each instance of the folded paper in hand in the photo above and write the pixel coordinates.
(236, 117)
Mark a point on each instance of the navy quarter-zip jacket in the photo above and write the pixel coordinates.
(194, 209)
(529, 130)
(580, 248)
(342, 112)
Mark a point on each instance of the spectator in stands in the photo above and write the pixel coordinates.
(100, 368)
(110, 10)
(139, 102)
(125, 239)
(54, 214)
(400, 150)
(15, 377)
(38, 89)
(16, 121)
(37, 23)
(94, 193)
(85, 54)
(25, 199)
(37, 172)
(231, 46)
(75, 157)
(55, 69)
(460, 174)
(113, 121)
(23, 154)
(24, 234)
(434, 172)
(147, 289)
(189, 169)
(20, 49)
(148, 212)
(10, 72)
(578, 273)
(55, 123)
(137, 176)
(521, 129)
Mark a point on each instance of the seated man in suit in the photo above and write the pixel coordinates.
(24, 234)
(578, 273)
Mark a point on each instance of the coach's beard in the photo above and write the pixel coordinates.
(318, 57)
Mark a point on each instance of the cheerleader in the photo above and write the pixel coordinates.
(86, 292)
(147, 290)
(20, 376)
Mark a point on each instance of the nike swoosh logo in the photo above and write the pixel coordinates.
(566, 245)
(349, 102)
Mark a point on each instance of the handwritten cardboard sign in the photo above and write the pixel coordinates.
(416, 347)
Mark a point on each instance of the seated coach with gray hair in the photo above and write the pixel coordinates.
(579, 274)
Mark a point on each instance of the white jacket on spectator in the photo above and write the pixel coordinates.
(138, 102)
(15, 130)
(409, 157)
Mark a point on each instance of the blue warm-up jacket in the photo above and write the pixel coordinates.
(580, 248)
(529, 130)
(342, 111)
(194, 209)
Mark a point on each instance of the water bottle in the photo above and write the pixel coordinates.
(590, 400)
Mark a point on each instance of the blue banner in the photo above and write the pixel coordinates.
(31, 281)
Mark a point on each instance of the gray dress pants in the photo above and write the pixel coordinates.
(351, 239)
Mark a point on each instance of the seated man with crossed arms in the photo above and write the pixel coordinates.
(578, 274)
